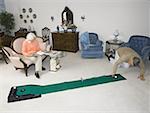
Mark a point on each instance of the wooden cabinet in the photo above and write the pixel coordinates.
(65, 41)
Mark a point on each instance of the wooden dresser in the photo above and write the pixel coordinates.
(65, 41)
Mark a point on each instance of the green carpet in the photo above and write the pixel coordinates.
(37, 89)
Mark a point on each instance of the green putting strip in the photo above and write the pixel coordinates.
(36, 89)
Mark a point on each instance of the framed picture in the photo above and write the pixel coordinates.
(34, 16)
(25, 21)
(24, 10)
(31, 21)
(30, 10)
(21, 16)
(27, 16)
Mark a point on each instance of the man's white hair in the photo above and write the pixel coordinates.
(30, 36)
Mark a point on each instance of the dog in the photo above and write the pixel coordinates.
(54, 64)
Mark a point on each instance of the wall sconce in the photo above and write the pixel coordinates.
(83, 18)
(52, 18)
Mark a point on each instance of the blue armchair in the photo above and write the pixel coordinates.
(141, 44)
(91, 46)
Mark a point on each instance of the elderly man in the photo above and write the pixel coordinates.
(29, 49)
(128, 57)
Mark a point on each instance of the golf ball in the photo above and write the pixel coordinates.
(115, 76)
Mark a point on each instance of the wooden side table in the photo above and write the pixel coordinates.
(112, 44)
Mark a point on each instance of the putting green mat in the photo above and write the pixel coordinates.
(37, 89)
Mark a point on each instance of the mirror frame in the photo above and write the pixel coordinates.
(69, 16)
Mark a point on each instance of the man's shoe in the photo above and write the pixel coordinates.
(43, 68)
(37, 75)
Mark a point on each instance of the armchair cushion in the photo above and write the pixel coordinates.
(93, 38)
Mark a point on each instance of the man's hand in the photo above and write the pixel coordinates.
(141, 77)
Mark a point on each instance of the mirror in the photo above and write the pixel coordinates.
(67, 16)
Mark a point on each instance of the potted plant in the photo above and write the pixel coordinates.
(7, 21)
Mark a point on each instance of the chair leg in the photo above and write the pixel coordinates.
(4, 57)
(26, 71)
(25, 67)
(5, 60)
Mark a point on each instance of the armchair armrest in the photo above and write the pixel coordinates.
(146, 52)
(84, 46)
(16, 62)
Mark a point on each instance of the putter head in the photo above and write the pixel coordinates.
(12, 97)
